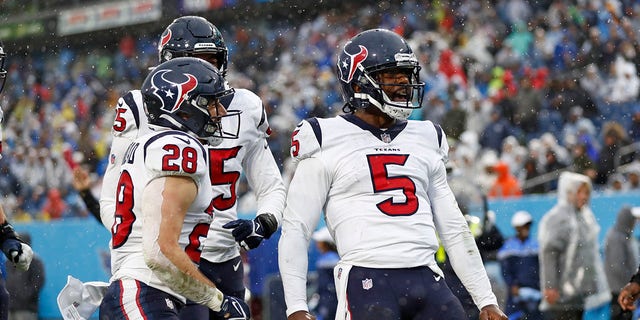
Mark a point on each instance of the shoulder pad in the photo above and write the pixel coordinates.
(129, 115)
(252, 109)
(171, 153)
(306, 139)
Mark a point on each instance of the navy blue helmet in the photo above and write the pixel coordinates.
(177, 94)
(190, 35)
(364, 57)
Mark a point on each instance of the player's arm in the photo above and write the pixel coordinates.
(305, 200)
(124, 130)
(13, 247)
(265, 180)
(458, 241)
(162, 220)
(82, 183)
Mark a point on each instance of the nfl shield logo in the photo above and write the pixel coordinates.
(386, 138)
(367, 284)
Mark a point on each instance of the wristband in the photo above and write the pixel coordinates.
(215, 302)
(269, 224)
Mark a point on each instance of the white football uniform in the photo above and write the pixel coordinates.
(154, 155)
(130, 122)
(249, 154)
(385, 199)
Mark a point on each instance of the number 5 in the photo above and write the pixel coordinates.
(382, 182)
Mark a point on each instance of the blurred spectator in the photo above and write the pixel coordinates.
(608, 159)
(24, 287)
(571, 272)
(531, 171)
(582, 163)
(633, 176)
(519, 261)
(621, 256)
(506, 184)
(496, 130)
(616, 183)
(528, 105)
(634, 126)
(455, 118)
(576, 126)
(54, 206)
(553, 165)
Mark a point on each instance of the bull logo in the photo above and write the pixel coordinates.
(164, 40)
(172, 93)
(349, 65)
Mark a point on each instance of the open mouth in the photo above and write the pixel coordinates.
(400, 96)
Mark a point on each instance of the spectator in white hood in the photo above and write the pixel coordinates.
(571, 272)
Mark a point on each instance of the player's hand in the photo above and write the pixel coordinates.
(234, 309)
(250, 233)
(81, 180)
(301, 315)
(628, 296)
(18, 252)
(551, 295)
(492, 312)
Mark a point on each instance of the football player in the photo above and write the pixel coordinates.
(248, 154)
(164, 201)
(16, 251)
(381, 181)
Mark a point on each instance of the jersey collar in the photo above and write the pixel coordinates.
(385, 136)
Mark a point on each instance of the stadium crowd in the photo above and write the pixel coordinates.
(533, 87)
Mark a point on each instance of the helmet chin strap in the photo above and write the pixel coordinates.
(388, 109)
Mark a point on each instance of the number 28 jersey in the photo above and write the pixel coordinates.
(155, 155)
(376, 186)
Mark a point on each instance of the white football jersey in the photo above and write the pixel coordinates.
(385, 198)
(154, 155)
(377, 206)
(129, 123)
(249, 155)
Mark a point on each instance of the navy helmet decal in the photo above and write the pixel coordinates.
(348, 68)
(177, 89)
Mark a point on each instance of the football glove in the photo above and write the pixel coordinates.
(249, 233)
(14, 248)
(233, 308)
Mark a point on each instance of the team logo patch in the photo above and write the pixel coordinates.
(367, 284)
(164, 40)
(176, 87)
(169, 303)
(348, 66)
(385, 137)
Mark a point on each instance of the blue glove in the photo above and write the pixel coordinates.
(12, 248)
(234, 309)
(249, 233)
(15, 249)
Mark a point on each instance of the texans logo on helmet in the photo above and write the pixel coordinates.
(348, 66)
(175, 92)
(165, 39)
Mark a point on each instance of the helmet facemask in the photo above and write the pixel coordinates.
(218, 127)
(3, 72)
